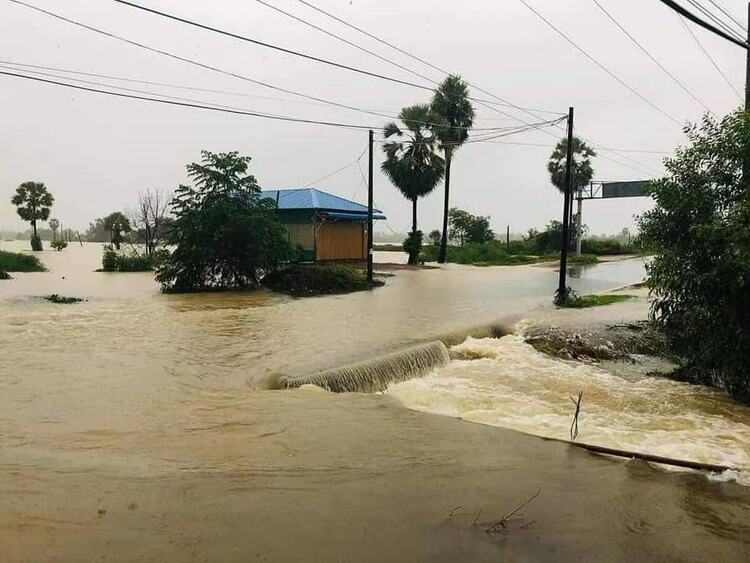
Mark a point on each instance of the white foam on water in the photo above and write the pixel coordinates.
(507, 383)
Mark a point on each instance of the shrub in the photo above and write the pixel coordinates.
(700, 275)
(18, 262)
(58, 244)
(583, 302)
(36, 243)
(413, 246)
(479, 254)
(4, 275)
(113, 261)
(316, 279)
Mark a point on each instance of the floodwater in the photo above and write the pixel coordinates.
(136, 426)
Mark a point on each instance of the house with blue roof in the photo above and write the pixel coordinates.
(321, 225)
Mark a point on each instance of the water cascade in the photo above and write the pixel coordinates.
(376, 373)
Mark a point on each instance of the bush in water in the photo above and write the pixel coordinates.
(19, 262)
(113, 261)
(316, 279)
(479, 254)
(225, 235)
(700, 276)
(58, 244)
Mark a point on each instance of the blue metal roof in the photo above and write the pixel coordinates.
(314, 199)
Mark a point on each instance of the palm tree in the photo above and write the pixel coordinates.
(54, 224)
(451, 103)
(412, 163)
(582, 171)
(34, 203)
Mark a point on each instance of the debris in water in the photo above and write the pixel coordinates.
(62, 300)
(574, 423)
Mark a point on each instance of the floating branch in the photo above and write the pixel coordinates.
(574, 423)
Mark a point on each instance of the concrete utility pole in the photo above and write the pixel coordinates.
(579, 221)
(562, 288)
(369, 213)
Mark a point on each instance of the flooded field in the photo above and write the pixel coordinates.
(138, 426)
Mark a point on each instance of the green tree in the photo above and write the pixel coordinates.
(34, 203)
(412, 163)
(700, 276)
(116, 224)
(468, 228)
(451, 103)
(54, 224)
(435, 237)
(225, 235)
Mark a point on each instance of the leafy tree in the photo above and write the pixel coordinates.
(468, 228)
(34, 203)
(116, 224)
(412, 163)
(451, 103)
(225, 235)
(435, 237)
(54, 224)
(700, 276)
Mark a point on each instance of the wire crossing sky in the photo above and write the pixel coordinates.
(633, 90)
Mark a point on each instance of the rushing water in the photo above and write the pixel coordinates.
(136, 425)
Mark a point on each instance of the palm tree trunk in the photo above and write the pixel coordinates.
(33, 226)
(444, 239)
(414, 215)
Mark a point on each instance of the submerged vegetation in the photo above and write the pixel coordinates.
(586, 301)
(19, 262)
(318, 279)
(700, 276)
(131, 261)
(479, 254)
(63, 300)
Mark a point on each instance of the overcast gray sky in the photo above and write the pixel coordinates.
(96, 152)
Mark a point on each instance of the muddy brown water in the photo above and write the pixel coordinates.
(136, 427)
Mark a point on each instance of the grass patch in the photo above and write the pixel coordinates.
(303, 280)
(19, 262)
(582, 259)
(479, 254)
(586, 301)
(388, 247)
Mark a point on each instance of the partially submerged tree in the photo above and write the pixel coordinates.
(34, 203)
(116, 224)
(451, 102)
(700, 276)
(225, 235)
(412, 163)
(468, 228)
(149, 218)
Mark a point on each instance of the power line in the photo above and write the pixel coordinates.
(704, 24)
(271, 46)
(348, 165)
(549, 146)
(650, 56)
(730, 16)
(710, 15)
(501, 101)
(710, 58)
(188, 105)
(596, 62)
(196, 63)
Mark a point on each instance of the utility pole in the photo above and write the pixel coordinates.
(562, 288)
(579, 221)
(747, 63)
(507, 238)
(369, 214)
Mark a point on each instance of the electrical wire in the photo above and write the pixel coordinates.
(704, 24)
(330, 174)
(738, 23)
(650, 56)
(539, 15)
(710, 15)
(500, 101)
(271, 46)
(187, 104)
(710, 58)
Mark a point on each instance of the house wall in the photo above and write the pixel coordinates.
(341, 240)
